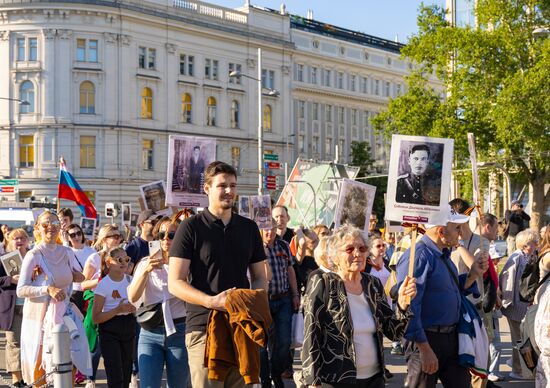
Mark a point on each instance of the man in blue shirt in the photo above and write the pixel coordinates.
(431, 338)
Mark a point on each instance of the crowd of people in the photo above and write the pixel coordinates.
(209, 299)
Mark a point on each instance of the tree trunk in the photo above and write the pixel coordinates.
(536, 199)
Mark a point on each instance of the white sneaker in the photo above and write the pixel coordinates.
(90, 384)
(494, 377)
(134, 381)
(518, 376)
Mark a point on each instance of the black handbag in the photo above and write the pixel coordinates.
(150, 316)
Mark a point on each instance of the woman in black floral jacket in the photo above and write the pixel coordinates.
(345, 315)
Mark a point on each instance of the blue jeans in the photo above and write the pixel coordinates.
(279, 339)
(155, 350)
(495, 349)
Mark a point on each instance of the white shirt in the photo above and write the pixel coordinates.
(95, 261)
(364, 332)
(113, 292)
(81, 256)
(154, 289)
(383, 275)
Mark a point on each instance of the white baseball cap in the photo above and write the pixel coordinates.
(446, 216)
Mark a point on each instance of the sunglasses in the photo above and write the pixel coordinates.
(349, 249)
(75, 234)
(116, 236)
(50, 223)
(121, 260)
(170, 235)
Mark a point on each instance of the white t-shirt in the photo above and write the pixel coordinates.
(95, 261)
(81, 256)
(113, 292)
(364, 331)
(153, 293)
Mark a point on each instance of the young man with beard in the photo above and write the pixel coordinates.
(210, 256)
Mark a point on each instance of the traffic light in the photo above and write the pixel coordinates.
(110, 210)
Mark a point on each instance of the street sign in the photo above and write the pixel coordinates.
(270, 178)
(8, 189)
(270, 182)
(271, 157)
(272, 165)
(9, 182)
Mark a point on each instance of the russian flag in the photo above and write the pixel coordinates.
(69, 189)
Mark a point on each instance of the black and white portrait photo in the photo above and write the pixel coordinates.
(88, 226)
(419, 179)
(260, 210)
(354, 204)
(244, 206)
(12, 263)
(154, 195)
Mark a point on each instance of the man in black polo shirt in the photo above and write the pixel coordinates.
(280, 215)
(213, 250)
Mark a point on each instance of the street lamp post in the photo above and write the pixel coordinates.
(271, 92)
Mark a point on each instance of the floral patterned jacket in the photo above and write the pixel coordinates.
(328, 353)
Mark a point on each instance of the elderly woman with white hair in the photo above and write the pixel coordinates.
(346, 316)
(513, 308)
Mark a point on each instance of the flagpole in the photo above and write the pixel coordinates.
(61, 160)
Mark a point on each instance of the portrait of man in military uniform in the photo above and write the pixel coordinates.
(421, 184)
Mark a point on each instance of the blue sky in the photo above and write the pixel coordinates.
(382, 18)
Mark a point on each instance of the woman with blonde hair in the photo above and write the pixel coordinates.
(47, 274)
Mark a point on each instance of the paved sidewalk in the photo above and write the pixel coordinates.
(396, 365)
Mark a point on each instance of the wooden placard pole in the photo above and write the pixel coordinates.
(412, 254)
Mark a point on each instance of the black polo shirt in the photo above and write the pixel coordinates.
(220, 255)
(289, 233)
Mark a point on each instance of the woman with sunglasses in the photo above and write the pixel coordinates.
(77, 242)
(108, 238)
(165, 343)
(114, 316)
(47, 274)
(345, 314)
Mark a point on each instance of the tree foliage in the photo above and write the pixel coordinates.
(494, 83)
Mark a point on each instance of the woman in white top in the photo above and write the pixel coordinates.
(161, 342)
(77, 242)
(47, 274)
(114, 315)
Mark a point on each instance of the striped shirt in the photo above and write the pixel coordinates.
(279, 259)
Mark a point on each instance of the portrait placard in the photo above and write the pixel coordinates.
(188, 157)
(355, 202)
(419, 179)
(12, 263)
(88, 226)
(154, 197)
(244, 206)
(126, 214)
(260, 210)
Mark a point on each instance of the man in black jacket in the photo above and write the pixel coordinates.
(515, 221)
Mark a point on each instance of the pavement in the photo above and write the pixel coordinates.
(396, 365)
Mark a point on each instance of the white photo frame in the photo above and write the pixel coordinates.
(88, 226)
(12, 262)
(355, 202)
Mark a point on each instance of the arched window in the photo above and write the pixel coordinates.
(87, 98)
(267, 118)
(186, 108)
(234, 114)
(211, 111)
(26, 93)
(146, 103)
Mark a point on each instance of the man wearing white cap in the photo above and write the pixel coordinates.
(431, 338)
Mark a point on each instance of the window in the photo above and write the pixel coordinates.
(26, 93)
(211, 69)
(327, 74)
(186, 108)
(328, 113)
(26, 151)
(147, 58)
(352, 80)
(146, 103)
(87, 151)
(87, 98)
(301, 143)
(187, 64)
(301, 109)
(27, 49)
(376, 87)
(86, 50)
(387, 87)
(211, 111)
(300, 73)
(315, 144)
(268, 79)
(354, 117)
(342, 144)
(313, 76)
(398, 90)
(366, 55)
(328, 146)
(236, 158)
(364, 83)
(234, 114)
(315, 111)
(342, 50)
(267, 118)
(341, 115)
(147, 154)
(235, 67)
(340, 80)
(315, 44)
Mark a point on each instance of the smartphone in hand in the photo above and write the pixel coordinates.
(154, 248)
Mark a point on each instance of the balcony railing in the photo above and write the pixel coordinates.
(212, 11)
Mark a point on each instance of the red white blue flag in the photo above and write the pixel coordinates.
(69, 189)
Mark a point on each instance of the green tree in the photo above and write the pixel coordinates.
(361, 156)
(494, 83)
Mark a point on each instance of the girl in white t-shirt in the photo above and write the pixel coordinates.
(114, 315)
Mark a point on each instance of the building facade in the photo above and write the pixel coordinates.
(108, 82)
